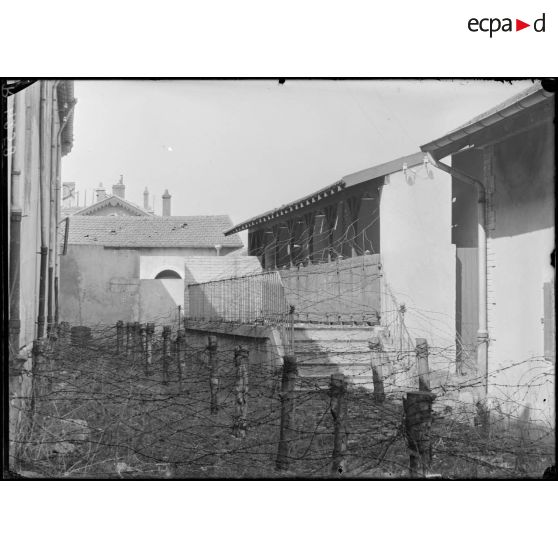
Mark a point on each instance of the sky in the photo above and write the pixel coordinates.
(244, 147)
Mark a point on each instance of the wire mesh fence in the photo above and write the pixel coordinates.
(255, 298)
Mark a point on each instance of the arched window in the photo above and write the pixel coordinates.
(167, 274)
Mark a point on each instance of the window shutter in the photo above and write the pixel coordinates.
(549, 322)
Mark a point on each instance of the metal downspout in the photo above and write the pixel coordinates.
(44, 247)
(15, 232)
(57, 175)
(52, 216)
(482, 332)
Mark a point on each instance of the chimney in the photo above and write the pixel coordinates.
(119, 189)
(100, 192)
(146, 199)
(166, 204)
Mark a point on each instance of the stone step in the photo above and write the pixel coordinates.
(331, 345)
(326, 369)
(351, 358)
(334, 334)
(338, 357)
(306, 325)
(312, 380)
(309, 383)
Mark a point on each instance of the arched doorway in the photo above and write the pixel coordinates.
(167, 274)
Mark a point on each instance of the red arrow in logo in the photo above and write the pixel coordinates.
(519, 25)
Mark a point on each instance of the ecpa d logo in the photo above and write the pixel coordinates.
(494, 24)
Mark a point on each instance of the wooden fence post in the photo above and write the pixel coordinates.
(418, 421)
(80, 336)
(63, 331)
(422, 364)
(119, 336)
(291, 329)
(376, 363)
(136, 331)
(39, 356)
(338, 390)
(287, 412)
(166, 354)
(482, 418)
(149, 331)
(180, 343)
(135, 339)
(143, 340)
(129, 326)
(40, 369)
(213, 378)
(241, 391)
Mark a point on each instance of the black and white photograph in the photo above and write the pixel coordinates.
(280, 278)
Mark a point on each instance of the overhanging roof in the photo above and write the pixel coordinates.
(345, 183)
(66, 100)
(526, 109)
(384, 169)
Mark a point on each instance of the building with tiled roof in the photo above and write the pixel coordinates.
(126, 263)
(196, 231)
(114, 205)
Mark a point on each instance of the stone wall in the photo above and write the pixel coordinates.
(99, 286)
(263, 343)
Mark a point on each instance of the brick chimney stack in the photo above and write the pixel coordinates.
(119, 189)
(146, 199)
(166, 204)
(100, 192)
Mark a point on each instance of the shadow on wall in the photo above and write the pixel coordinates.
(524, 190)
(158, 300)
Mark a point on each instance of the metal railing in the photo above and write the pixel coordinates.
(257, 298)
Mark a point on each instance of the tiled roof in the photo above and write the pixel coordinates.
(198, 231)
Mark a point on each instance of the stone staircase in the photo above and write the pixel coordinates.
(322, 350)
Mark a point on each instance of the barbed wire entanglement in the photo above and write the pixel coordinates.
(312, 369)
(144, 401)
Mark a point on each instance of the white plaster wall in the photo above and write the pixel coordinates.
(201, 269)
(188, 251)
(28, 163)
(419, 259)
(175, 288)
(519, 374)
(150, 266)
(154, 260)
(194, 267)
(521, 241)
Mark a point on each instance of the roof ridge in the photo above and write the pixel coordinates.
(101, 203)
